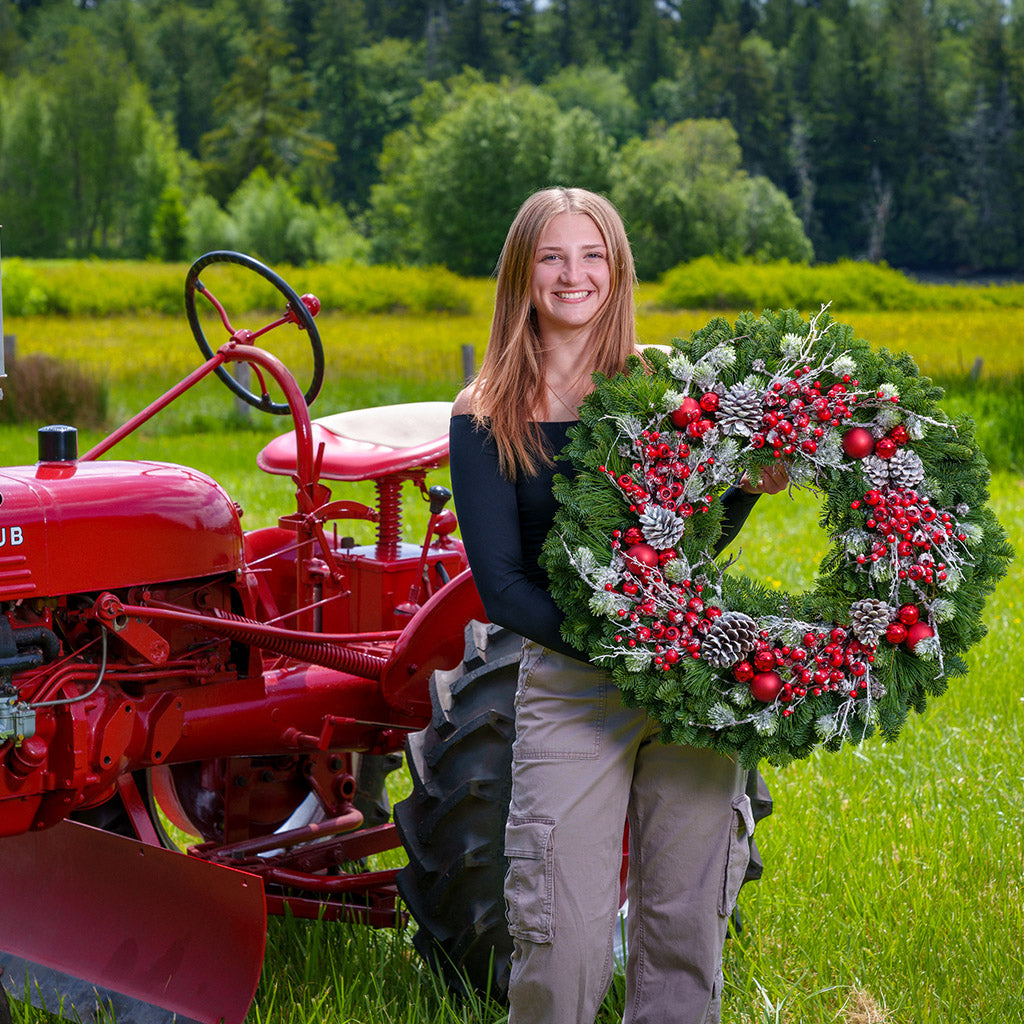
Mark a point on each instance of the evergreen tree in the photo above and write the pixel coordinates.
(741, 79)
(918, 145)
(195, 51)
(989, 146)
(264, 119)
(839, 155)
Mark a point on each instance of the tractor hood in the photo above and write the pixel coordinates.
(67, 527)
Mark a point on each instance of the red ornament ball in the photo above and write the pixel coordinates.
(766, 686)
(917, 632)
(640, 558)
(858, 443)
(896, 633)
(886, 448)
(908, 614)
(743, 672)
(689, 410)
(709, 401)
(899, 434)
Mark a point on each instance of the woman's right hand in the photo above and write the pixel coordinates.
(771, 480)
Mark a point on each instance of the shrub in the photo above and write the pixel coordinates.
(708, 283)
(104, 287)
(25, 292)
(683, 193)
(41, 390)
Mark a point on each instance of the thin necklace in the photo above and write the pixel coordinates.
(561, 401)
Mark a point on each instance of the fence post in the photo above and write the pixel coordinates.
(3, 337)
(468, 363)
(243, 375)
(6, 358)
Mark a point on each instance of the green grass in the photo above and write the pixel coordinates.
(892, 881)
(893, 872)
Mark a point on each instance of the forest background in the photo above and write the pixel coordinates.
(408, 131)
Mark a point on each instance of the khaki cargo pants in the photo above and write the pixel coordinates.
(582, 761)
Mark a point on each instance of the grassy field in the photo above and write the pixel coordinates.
(893, 872)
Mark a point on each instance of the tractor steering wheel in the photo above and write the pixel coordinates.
(300, 311)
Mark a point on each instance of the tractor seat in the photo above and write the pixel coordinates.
(364, 444)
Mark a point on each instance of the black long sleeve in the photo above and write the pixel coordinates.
(502, 543)
(504, 524)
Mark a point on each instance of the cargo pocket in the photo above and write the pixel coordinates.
(529, 886)
(741, 828)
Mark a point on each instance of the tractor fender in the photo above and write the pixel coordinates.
(433, 640)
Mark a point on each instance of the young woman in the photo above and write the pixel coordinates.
(582, 761)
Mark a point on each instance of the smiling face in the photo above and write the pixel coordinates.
(571, 277)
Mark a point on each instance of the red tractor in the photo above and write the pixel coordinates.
(161, 669)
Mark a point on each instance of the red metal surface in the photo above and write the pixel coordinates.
(347, 459)
(155, 925)
(430, 644)
(78, 527)
(372, 592)
(240, 718)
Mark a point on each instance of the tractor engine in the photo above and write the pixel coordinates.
(85, 687)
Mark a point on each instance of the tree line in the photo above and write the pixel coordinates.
(410, 130)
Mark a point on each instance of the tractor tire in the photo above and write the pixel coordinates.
(452, 825)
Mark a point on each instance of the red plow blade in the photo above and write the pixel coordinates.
(155, 925)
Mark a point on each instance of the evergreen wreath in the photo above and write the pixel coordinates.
(718, 659)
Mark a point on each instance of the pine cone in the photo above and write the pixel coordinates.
(876, 470)
(739, 410)
(731, 635)
(905, 469)
(877, 689)
(869, 619)
(661, 527)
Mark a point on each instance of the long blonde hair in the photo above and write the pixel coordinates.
(510, 384)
